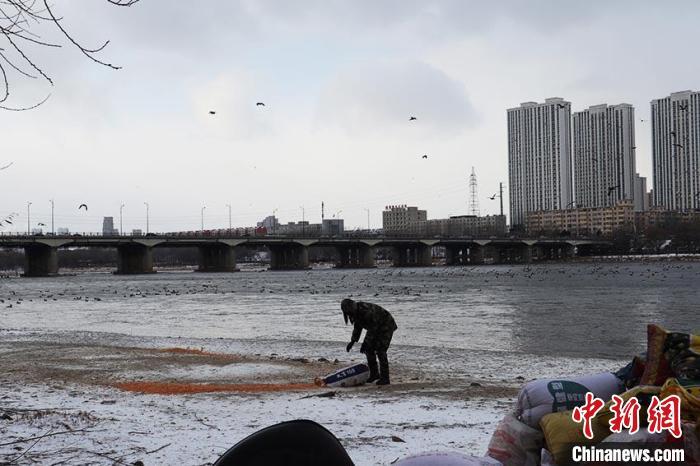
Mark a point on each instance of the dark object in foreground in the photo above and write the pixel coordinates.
(293, 443)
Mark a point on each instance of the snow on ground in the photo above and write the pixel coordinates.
(214, 373)
(196, 429)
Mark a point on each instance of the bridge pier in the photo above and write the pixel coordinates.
(414, 255)
(455, 255)
(134, 259)
(568, 251)
(40, 261)
(590, 250)
(217, 258)
(494, 253)
(471, 254)
(356, 257)
(289, 257)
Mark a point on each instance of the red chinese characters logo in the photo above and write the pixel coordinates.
(624, 414)
(665, 415)
(662, 415)
(587, 412)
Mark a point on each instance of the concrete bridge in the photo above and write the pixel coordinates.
(217, 254)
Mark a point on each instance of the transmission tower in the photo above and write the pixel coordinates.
(473, 194)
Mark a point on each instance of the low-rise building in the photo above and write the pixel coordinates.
(402, 218)
(108, 226)
(582, 221)
(464, 225)
(333, 227)
(663, 218)
(300, 228)
(270, 222)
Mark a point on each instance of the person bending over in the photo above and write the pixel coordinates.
(380, 326)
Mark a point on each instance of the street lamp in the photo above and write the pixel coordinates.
(29, 229)
(303, 219)
(229, 217)
(121, 215)
(52, 229)
(273, 220)
(368, 227)
(147, 209)
(203, 207)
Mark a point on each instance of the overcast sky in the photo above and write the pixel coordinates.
(339, 80)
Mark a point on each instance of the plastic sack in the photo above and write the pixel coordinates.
(632, 373)
(446, 459)
(547, 459)
(515, 443)
(690, 402)
(670, 354)
(642, 436)
(350, 376)
(691, 442)
(541, 397)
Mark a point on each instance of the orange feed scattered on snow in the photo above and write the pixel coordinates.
(176, 388)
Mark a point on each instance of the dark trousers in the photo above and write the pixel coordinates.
(376, 348)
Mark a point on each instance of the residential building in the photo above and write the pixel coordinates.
(675, 133)
(270, 223)
(582, 221)
(403, 220)
(539, 158)
(300, 228)
(108, 227)
(332, 227)
(641, 196)
(661, 217)
(603, 154)
(464, 225)
(399, 218)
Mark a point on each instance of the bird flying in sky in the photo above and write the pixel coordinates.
(493, 197)
(260, 104)
(412, 118)
(6, 166)
(212, 112)
(611, 189)
(83, 206)
(425, 156)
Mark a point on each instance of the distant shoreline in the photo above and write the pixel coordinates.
(262, 266)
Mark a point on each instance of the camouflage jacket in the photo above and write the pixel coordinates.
(373, 318)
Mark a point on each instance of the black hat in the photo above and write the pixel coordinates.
(347, 306)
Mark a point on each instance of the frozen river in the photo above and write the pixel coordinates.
(568, 310)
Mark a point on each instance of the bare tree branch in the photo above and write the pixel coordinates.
(19, 19)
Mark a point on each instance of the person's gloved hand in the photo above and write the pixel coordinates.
(363, 348)
(349, 347)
